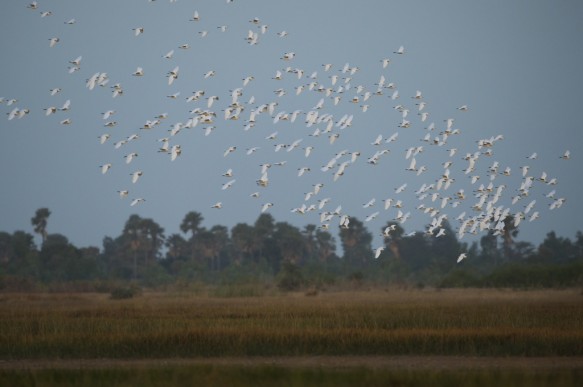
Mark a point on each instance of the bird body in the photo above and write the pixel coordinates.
(137, 201)
(378, 251)
(136, 175)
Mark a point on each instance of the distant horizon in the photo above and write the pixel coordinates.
(334, 232)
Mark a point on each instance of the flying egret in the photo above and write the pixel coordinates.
(136, 175)
(378, 251)
(228, 184)
(175, 151)
(129, 157)
(137, 201)
(105, 168)
(229, 150)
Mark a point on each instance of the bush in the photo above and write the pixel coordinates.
(460, 278)
(524, 275)
(15, 283)
(125, 292)
(290, 277)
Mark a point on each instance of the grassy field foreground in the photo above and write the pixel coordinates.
(375, 338)
(376, 323)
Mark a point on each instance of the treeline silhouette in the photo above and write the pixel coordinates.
(281, 255)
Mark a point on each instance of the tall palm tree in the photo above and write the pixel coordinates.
(221, 234)
(39, 221)
(291, 243)
(309, 234)
(325, 245)
(191, 223)
(263, 230)
(356, 243)
(132, 233)
(510, 232)
(393, 241)
(154, 234)
(243, 241)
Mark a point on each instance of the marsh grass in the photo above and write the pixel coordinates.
(265, 375)
(168, 325)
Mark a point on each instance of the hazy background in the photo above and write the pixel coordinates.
(515, 64)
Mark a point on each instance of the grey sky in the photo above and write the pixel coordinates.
(515, 64)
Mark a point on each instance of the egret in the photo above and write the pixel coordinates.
(105, 168)
(400, 50)
(129, 157)
(229, 150)
(228, 185)
(378, 251)
(137, 201)
(136, 175)
(139, 72)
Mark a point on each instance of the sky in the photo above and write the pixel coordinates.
(515, 65)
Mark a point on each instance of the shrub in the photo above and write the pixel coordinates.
(125, 292)
(290, 277)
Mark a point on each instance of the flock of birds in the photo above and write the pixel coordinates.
(470, 189)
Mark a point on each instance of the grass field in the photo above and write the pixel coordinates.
(449, 323)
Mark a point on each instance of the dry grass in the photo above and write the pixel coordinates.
(393, 322)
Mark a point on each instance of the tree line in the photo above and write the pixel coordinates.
(279, 253)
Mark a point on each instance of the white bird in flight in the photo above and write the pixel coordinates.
(378, 251)
(105, 168)
(136, 175)
(137, 201)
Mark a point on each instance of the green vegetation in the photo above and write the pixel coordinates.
(269, 254)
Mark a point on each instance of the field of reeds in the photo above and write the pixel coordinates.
(483, 323)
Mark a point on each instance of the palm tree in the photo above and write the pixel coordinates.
(510, 232)
(356, 243)
(243, 236)
(393, 241)
(291, 243)
(132, 233)
(309, 235)
(191, 223)
(176, 246)
(263, 228)
(325, 245)
(39, 221)
(155, 236)
(221, 234)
